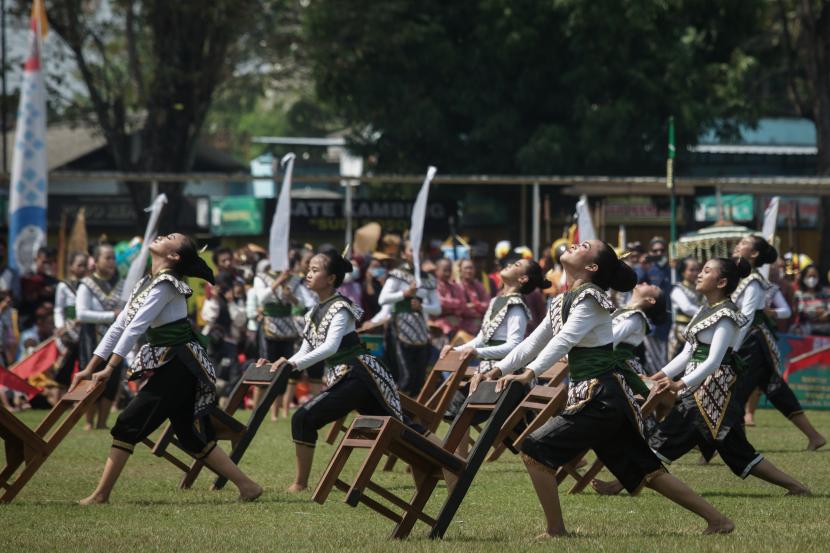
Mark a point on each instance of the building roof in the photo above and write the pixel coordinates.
(771, 136)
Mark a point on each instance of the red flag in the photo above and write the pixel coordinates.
(38, 361)
(14, 382)
(816, 359)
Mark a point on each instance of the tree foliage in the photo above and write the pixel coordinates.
(507, 86)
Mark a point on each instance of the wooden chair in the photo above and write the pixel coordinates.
(429, 460)
(542, 402)
(433, 400)
(30, 448)
(654, 404)
(226, 425)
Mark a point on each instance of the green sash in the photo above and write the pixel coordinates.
(277, 309)
(761, 318)
(345, 355)
(69, 313)
(298, 310)
(587, 363)
(493, 343)
(172, 334)
(731, 358)
(403, 306)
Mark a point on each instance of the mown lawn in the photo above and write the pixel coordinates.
(149, 513)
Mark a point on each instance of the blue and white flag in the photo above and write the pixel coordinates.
(28, 187)
(281, 223)
(416, 229)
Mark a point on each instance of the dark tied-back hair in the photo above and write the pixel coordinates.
(96, 250)
(658, 312)
(733, 270)
(612, 272)
(535, 278)
(766, 252)
(335, 264)
(190, 264)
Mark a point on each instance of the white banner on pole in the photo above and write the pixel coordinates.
(281, 224)
(583, 220)
(768, 227)
(139, 264)
(416, 229)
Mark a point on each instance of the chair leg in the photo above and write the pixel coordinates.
(424, 486)
(335, 429)
(331, 474)
(586, 478)
(191, 474)
(389, 465)
(364, 475)
(31, 468)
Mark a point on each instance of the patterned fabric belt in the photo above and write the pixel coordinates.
(730, 358)
(172, 334)
(69, 313)
(404, 306)
(588, 363)
(277, 309)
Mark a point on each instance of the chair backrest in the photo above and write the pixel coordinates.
(555, 374)
(485, 398)
(437, 390)
(13, 428)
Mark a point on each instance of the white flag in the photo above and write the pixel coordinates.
(29, 191)
(768, 227)
(416, 229)
(585, 225)
(281, 224)
(139, 264)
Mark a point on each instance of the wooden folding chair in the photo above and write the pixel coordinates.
(542, 402)
(226, 425)
(654, 404)
(31, 448)
(433, 400)
(429, 461)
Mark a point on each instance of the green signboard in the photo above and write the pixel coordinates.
(736, 207)
(236, 216)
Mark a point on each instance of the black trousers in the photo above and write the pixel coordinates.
(760, 373)
(680, 431)
(351, 393)
(169, 394)
(604, 425)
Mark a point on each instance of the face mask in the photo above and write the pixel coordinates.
(378, 272)
(811, 282)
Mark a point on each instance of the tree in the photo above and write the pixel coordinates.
(151, 68)
(521, 86)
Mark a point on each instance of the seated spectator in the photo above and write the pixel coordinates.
(42, 329)
(39, 286)
(451, 295)
(476, 297)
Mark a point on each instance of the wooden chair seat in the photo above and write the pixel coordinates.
(227, 427)
(29, 448)
(429, 461)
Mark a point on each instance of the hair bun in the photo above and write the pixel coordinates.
(744, 268)
(623, 278)
(545, 284)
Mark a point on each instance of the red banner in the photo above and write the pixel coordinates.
(14, 382)
(38, 361)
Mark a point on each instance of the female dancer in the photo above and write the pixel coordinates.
(356, 380)
(757, 343)
(98, 303)
(181, 378)
(631, 324)
(685, 302)
(65, 314)
(407, 336)
(601, 413)
(279, 293)
(707, 415)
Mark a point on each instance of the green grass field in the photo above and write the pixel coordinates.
(149, 513)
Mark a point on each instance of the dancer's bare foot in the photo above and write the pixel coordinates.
(94, 499)
(88, 427)
(274, 418)
(250, 494)
(553, 533)
(800, 490)
(702, 460)
(296, 488)
(721, 526)
(285, 413)
(581, 463)
(607, 488)
(816, 443)
(102, 427)
(749, 420)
